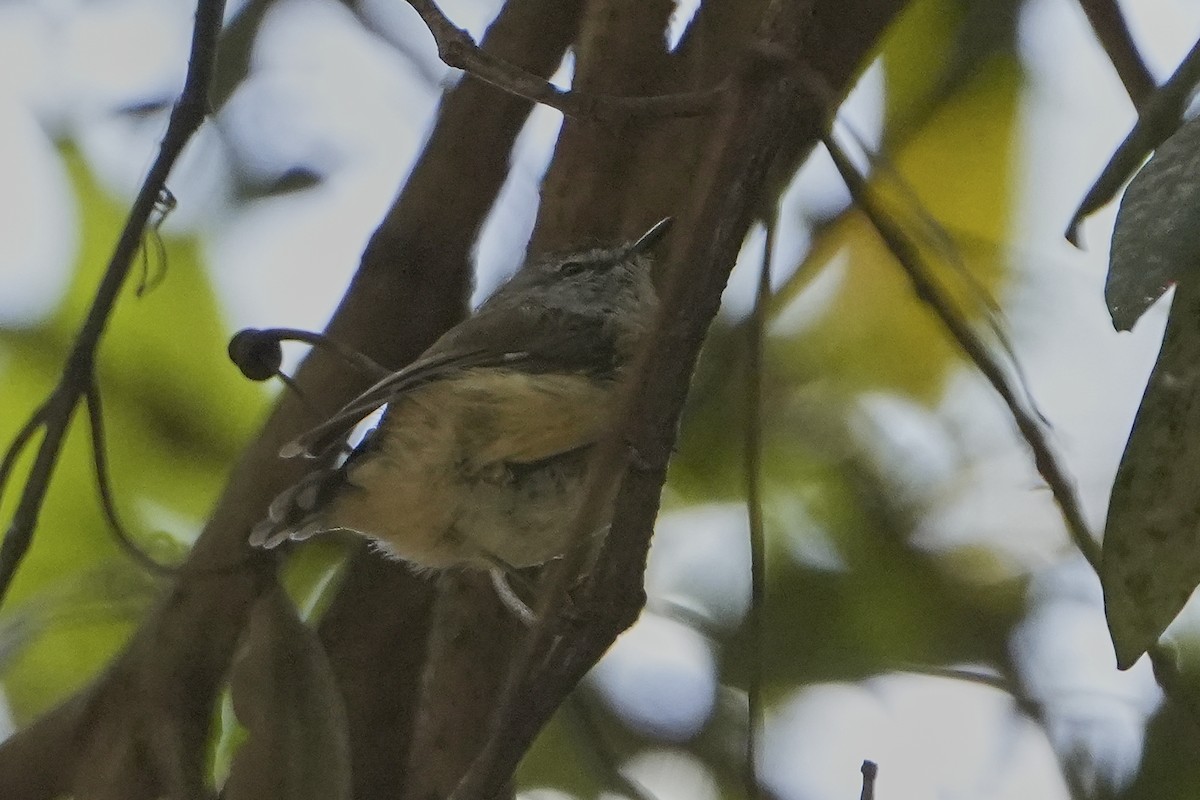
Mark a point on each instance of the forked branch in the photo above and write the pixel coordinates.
(1157, 119)
(457, 49)
(53, 418)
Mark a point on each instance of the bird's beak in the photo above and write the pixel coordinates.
(650, 238)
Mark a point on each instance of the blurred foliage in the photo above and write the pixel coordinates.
(168, 390)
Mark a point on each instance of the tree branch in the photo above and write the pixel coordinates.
(1109, 25)
(1046, 460)
(708, 54)
(471, 644)
(375, 633)
(745, 143)
(935, 297)
(1158, 118)
(78, 372)
(458, 50)
(588, 190)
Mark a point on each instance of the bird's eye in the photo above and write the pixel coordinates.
(571, 267)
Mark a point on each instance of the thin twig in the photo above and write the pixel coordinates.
(457, 49)
(104, 487)
(32, 425)
(929, 230)
(992, 680)
(359, 361)
(754, 506)
(937, 299)
(1109, 25)
(1157, 120)
(19, 535)
(598, 746)
(1046, 461)
(869, 770)
(55, 414)
(1000, 682)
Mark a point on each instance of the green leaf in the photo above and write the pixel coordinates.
(166, 350)
(175, 413)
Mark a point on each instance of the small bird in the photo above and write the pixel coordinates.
(482, 454)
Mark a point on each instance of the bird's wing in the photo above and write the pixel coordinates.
(318, 441)
(532, 338)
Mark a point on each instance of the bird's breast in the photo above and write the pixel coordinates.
(488, 466)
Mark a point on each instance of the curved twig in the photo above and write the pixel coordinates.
(163, 206)
(17, 446)
(755, 618)
(104, 486)
(359, 361)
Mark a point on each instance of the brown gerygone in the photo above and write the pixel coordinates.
(482, 454)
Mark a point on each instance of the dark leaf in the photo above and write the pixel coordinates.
(1158, 118)
(285, 694)
(1156, 239)
(1151, 558)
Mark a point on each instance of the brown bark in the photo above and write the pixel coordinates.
(621, 50)
(769, 121)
